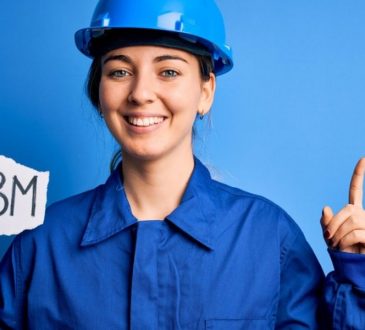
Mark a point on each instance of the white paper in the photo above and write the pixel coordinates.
(23, 197)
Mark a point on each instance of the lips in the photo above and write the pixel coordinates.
(144, 121)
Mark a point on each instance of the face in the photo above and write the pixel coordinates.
(150, 97)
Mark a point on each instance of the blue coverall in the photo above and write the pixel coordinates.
(223, 259)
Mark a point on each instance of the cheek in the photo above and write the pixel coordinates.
(103, 95)
(187, 98)
(109, 96)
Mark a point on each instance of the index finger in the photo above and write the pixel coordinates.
(356, 185)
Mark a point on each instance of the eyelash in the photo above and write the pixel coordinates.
(119, 74)
(169, 73)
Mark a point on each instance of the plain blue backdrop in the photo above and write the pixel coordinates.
(287, 123)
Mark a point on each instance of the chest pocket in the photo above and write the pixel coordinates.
(237, 325)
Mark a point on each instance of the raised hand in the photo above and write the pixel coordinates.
(345, 231)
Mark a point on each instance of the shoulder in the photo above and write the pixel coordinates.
(249, 202)
(58, 237)
(64, 218)
(258, 214)
(251, 220)
(71, 207)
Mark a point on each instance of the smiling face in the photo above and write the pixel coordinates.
(150, 97)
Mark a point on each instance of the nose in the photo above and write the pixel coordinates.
(142, 90)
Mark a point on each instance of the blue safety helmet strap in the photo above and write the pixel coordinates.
(198, 22)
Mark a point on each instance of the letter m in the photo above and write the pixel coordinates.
(16, 184)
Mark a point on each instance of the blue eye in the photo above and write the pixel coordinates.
(119, 74)
(169, 73)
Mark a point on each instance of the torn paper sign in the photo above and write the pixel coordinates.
(23, 197)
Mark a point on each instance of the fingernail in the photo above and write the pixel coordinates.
(327, 234)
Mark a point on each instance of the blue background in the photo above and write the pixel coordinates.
(287, 123)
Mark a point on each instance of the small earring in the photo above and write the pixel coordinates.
(101, 114)
(201, 114)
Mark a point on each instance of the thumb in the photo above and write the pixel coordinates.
(327, 215)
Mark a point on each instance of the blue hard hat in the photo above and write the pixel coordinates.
(196, 21)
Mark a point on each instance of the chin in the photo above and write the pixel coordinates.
(143, 155)
(156, 151)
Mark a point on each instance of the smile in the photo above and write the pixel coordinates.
(145, 121)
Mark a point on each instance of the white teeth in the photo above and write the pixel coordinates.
(145, 122)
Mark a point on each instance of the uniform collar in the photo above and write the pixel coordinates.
(111, 212)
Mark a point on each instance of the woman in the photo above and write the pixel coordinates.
(161, 245)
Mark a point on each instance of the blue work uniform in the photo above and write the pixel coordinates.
(223, 259)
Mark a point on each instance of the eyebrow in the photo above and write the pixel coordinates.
(126, 59)
(121, 58)
(169, 57)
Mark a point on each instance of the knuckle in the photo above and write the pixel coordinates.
(355, 236)
(353, 220)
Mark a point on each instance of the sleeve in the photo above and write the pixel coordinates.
(10, 317)
(301, 284)
(345, 291)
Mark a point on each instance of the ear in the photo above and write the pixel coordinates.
(208, 91)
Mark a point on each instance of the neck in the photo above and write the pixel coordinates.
(154, 188)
